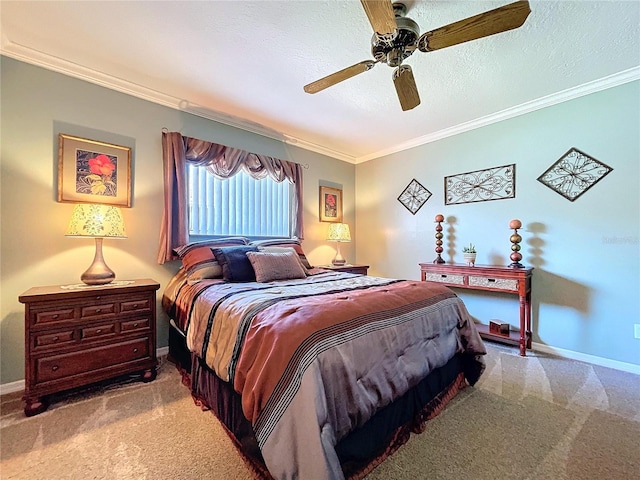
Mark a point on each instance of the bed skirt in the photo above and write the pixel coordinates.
(362, 450)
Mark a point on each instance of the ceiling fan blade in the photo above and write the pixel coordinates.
(406, 87)
(482, 25)
(339, 76)
(381, 16)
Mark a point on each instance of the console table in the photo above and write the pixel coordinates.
(516, 281)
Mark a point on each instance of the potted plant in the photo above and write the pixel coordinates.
(469, 254)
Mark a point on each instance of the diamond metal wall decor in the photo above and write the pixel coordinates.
(414, 196)
(481, 185)
(573, 174)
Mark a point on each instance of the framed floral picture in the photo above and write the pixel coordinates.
(330, 205)
(90, 171)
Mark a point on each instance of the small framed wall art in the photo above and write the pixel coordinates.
(414, 196)
(573, 174)
(330, 204)
(494, 183)
(90, 171)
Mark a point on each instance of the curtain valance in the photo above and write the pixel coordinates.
(222, 161)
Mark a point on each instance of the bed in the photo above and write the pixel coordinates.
(315, 374)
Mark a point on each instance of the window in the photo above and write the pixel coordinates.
(239, 205)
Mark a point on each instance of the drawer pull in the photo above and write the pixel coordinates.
(98, 310)
(491, 280)
(444, 275)
(54, 368)
(99, 330)
(135, 350)
(135, 305)
(55, 317)
(55, 339)
(135, 325)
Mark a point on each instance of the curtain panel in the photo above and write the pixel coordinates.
(222, 161)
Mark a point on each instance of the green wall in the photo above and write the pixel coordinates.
(37, 104)
(586, 253)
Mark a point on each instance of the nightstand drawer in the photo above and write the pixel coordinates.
(141, 304)
(53, 316)
(57, 338)
(135, 325)
(97, 331)
(445, 278)
(497, 283)
(98, 310)
(90, 360)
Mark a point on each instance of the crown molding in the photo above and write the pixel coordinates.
(604, 83)
(254, 127)
(41, 59)
(56, 64)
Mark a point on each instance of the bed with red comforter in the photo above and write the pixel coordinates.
(321, 377)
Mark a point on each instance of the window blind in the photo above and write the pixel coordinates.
(239, 205)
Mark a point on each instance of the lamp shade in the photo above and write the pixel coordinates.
(98, 221)
(339, 232)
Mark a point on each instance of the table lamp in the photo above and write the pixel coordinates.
(99, 222)
(339, 232)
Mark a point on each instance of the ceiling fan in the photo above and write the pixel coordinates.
(396, 37)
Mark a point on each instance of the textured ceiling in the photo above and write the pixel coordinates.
(245, 62)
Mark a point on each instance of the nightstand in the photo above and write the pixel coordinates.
(80, 334)
(359, 269)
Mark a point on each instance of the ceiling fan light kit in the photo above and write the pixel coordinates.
(396, 37)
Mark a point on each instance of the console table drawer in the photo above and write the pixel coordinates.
(445, 278)
(497, 283)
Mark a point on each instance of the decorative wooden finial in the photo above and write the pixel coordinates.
(439, 236)
(515, 239)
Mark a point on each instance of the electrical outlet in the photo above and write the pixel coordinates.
(636, 330)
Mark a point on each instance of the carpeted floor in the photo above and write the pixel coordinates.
(538, 417)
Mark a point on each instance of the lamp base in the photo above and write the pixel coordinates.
(98, 273)
(92, 278)
(338, 260)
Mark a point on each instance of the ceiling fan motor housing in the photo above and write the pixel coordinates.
(394, 51)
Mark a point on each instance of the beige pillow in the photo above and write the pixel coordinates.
(270, 249)
(270, 266)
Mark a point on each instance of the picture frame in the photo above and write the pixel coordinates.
(91, 171)
(496, 183)
(330, 205)
(574, 173)
(414, 196)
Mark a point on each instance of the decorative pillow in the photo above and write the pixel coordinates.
(270, 266)
(198, 260)
(285, 242)
(284, 250)
(236, 267)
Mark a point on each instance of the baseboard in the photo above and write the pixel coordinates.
(583, 357)
(12, 387)
(18, 386)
